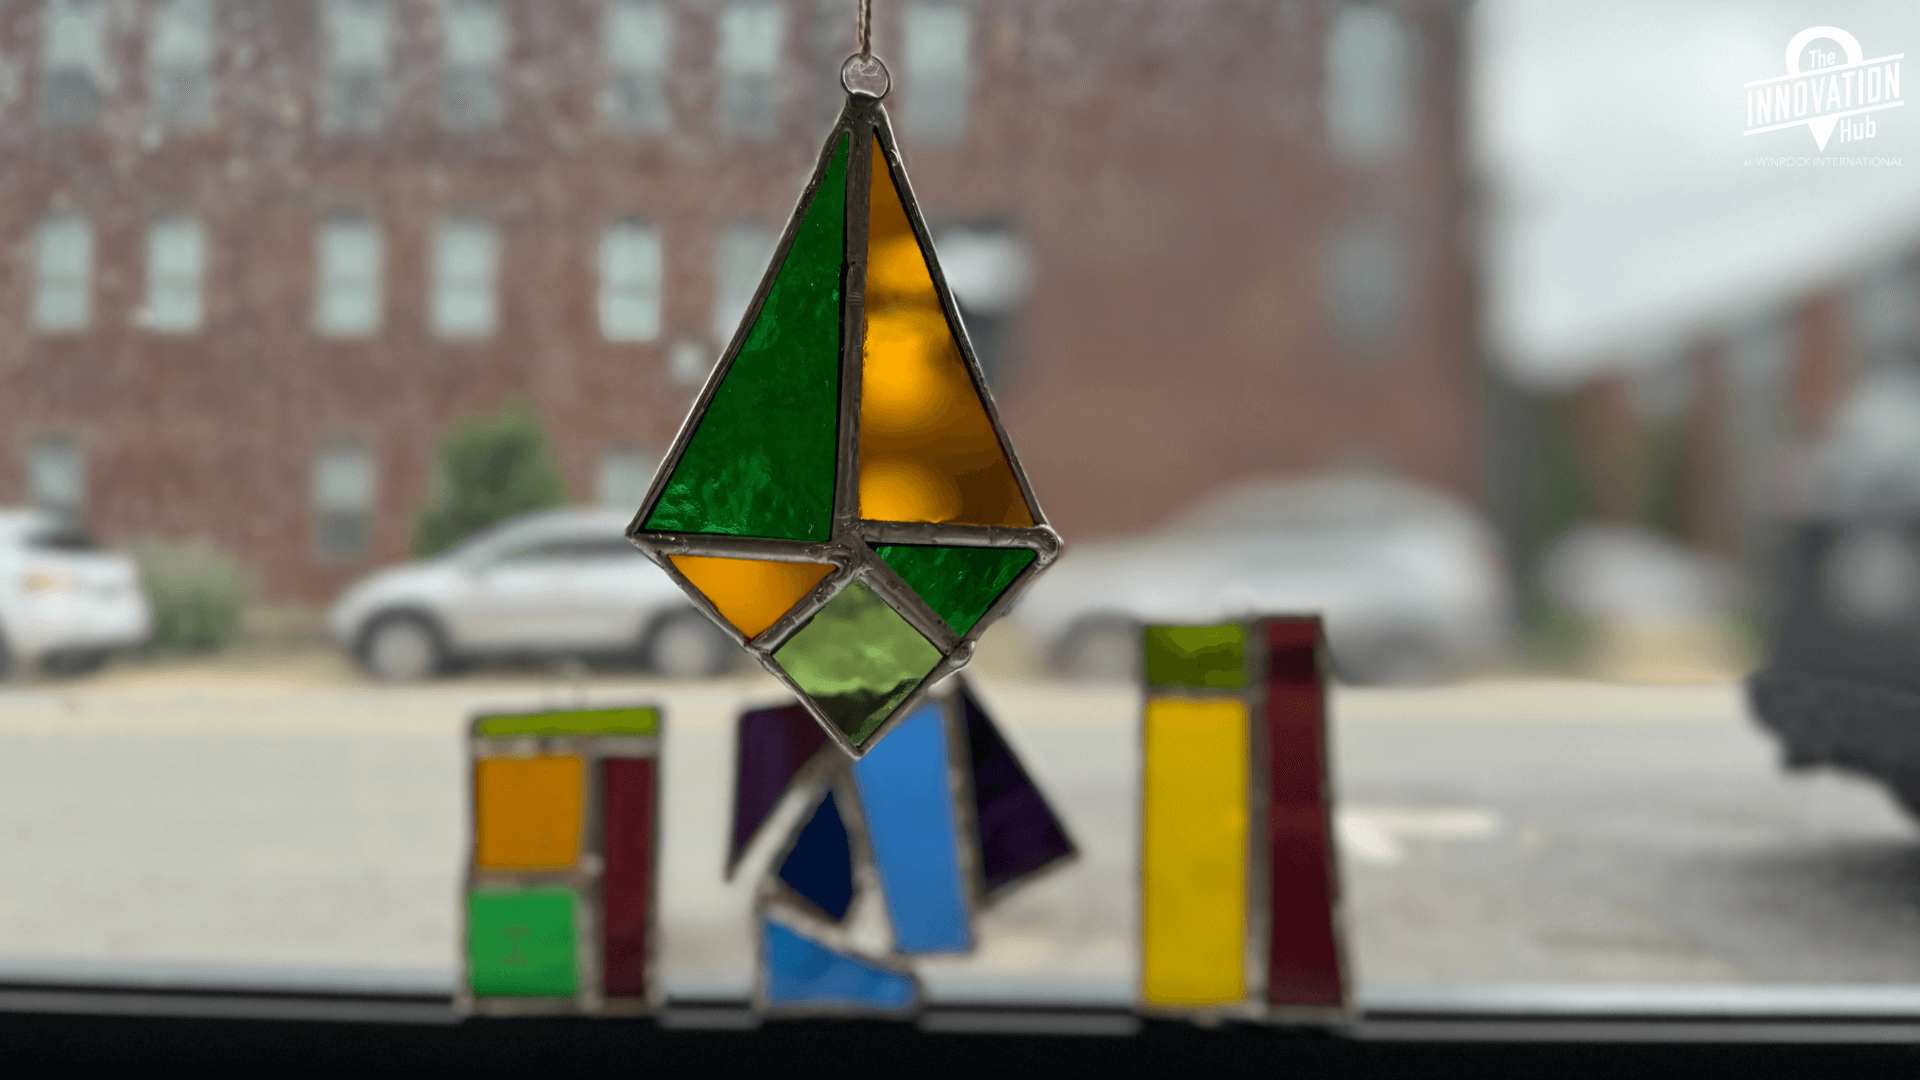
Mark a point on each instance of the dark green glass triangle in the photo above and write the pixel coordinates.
(761, 461)
(958, 583)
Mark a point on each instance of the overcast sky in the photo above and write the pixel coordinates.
(1623, 213)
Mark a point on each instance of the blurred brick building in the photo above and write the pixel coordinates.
(260, 253)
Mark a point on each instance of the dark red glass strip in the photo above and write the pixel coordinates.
(1304, 957)
(626, 889)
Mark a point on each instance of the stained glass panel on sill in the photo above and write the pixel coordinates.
(928, 451)
(761, 461)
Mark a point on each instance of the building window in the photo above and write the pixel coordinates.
(630, 282)
(57, 475)
(348, 304)
(1368, 283)
(356, 33)
(740, 260)
(1372, 72)
(465, 261)
(176, 263)
(933, 106)
(345, 488)
(73, 62)
(476, 43)
(638, 38)
(63, 274)
(990, 270)
(179, 65)
(625, 474)
(751, 35)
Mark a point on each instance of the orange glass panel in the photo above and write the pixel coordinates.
(751, 593)
(927, 450)
(527, 812)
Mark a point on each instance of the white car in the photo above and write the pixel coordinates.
(551, 583)
(1411, 583)
(65, 605)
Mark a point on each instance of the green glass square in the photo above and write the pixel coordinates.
(1208, 657)
(858, 660)
(520, 942)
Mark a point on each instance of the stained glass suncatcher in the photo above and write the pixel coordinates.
(842, 499)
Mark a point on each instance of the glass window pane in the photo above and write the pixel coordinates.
(752, 36)
(356, 43)
(630, 273)
(57, 474)
(934, 90)
(739, 262)
(637, 39)
(476, 39)
(74, 64)
(344, 488)
(179, 56)
(465, 258)
(625, 473)
(350, 278)
(176, 254)
(1372, 68)
(1368, 278)
(63, 288)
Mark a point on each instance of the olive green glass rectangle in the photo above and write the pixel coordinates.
(623, 721)
(1206, 657)
(858, 660)
(521, 943)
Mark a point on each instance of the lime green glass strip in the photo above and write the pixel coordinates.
(958, 583)
(858, 660)
(1208, 657)
(761, 461)
(626, 721)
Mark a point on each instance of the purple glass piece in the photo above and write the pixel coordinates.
(775, 744)
(1019, 833)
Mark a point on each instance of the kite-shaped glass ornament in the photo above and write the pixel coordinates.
(842, 499)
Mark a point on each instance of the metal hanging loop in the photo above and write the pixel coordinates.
(866, 76)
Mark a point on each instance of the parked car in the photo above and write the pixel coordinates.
(1410, 582)
(65, 605)
(547, 584)
(1841, 683)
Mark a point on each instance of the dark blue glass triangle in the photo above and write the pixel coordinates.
(820, 866)
(1019, 833)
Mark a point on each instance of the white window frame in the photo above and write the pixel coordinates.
(466, 270)
(63, 276)
(632, 268)
(348, 300)
(175, 284)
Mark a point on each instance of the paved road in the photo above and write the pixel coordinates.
(1514, 832)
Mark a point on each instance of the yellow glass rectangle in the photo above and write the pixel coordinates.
(1193, 860)
(527, 812)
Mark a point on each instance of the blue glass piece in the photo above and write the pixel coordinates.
(908, 802)
(820, 866)
(801, 972)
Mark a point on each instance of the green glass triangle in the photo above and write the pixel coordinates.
(858, 660)
(761, 461)
(958, 583)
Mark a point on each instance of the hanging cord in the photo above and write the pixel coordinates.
(864, 74)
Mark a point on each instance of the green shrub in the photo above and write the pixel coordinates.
(196, 591)
(491, 467)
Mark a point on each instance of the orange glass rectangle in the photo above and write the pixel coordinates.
(527, 812)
